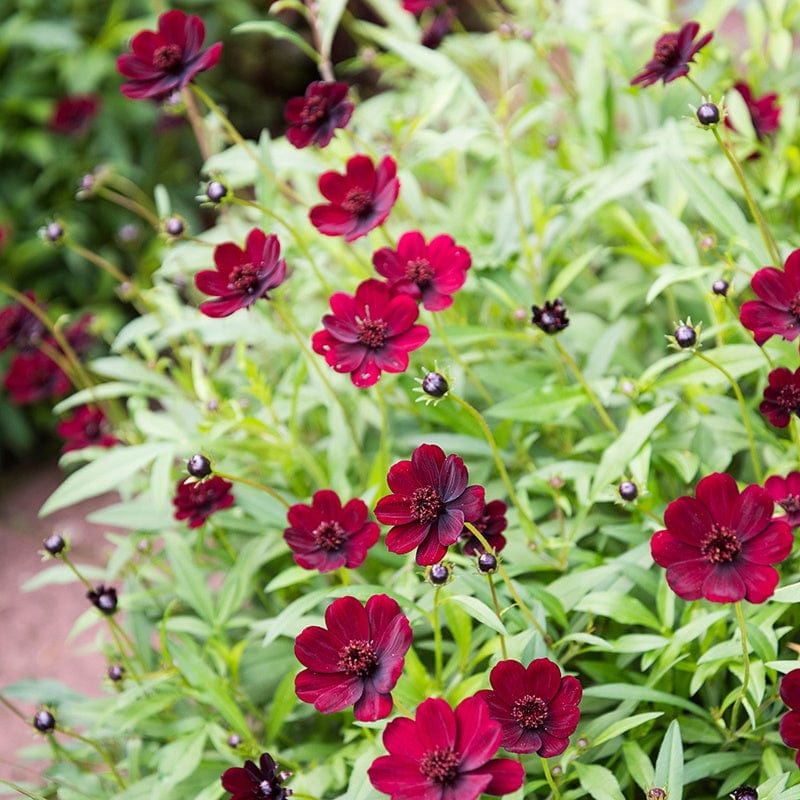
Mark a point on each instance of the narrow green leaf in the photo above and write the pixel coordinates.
(277, 30)
(478, 610)
(623, 609)
(283, 703)
(669, 764)
(190, 584)
(598, 782)
(330, 14)
(623, 725)
(639, 766)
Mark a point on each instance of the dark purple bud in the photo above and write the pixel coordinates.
(54, 544)
(44, 721)
(198, 466)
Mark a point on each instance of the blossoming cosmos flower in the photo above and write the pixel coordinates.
(720, 543)
(491, 523)
(370, 332)
(444, 755)
(197, 500)
(551, 317)
(789, 727)
(85, 428)
(438, 28)
(325, 536)
(671, 56)
(786, 493)
(427, 272)
(416, 7)
(537, 708)
(429, 505)
(360, 200)
(252, 782)
(19, 327)
(166, 60)
(33, 376)
(242, 276)
(777, 313)
(314, 118)
(74, 114)
(765, 113)
(356, 660)
(781, 396)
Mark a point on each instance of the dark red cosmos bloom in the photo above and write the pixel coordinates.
(765, 113)
(790, 722)
(32, 376)
(197, 500)
(491, 523)
(166, 60)
(777, 313)
(438, 28)
(370, 332)
(444, 755)
(19, 327)
(357, 660)
(429, 505)
(326, 536)
(73, 114)
(428, 272)
(103, 598)
(720, 543)
(242, 276)
(781, 396)
(537, 708)
(786, 493)
(79, 335)
(315, 117)
(671, 56)
(360, 200)
(252, 782)
(416, 7)
(87, 427)
(551, 317)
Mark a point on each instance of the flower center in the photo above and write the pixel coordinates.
(244, 278)
(794, 306)
(440, 765)
(358, 658)
(91, 430)
(790, 504)
(420, 271)
(789, 397)
(666, 51)
(358, 202)
(720, 545)
(168, 58)
(315, 109)
(529, 711)
(328, 535)
(426, 504)
(372, 332)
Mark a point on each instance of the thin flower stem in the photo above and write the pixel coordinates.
(795, 434)
(64, 364)
(120, 637)
(745, 662)
(256, 485)
(198, 126)
(437, 639)
(129, 204)
(66, 559)
(755, 211)
(98, 261)
(533, 528)
(594, 399)
(13, 709)
(496, 602)
(548, 776)
(323, 59)
(745, 413)
(456, 356)
(102, 752)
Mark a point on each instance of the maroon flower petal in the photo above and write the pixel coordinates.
(687, 578)
(790, 689)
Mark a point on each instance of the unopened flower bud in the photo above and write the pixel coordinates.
(198, 466)
(54, 544)
(44, 721)
(435, 384)
(708, 114)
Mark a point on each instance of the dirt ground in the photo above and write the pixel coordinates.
(35, 625)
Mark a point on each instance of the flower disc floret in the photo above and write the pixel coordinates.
(777, 312)
(671, 55)
(314, 118)
(721, 544)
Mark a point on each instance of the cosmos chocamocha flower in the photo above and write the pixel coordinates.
(781, 396)
(429, 505)
(537, 708)
(720, 544)
(417, 7)
(197, 500)
(87, 427)
(359, 200)
(445, 754)
(314, 117)
(430, 273)
(434, 32)
(73, 114)
(672, 54)
(369, 333)
(764, 111)
(252, 782)
(491, 523)
(786, 493)
(32, 376)
(242, 276)
(166, 60)
(356, 660)
(19, 327)
(789, 727)
(104, 598)
(326, 535)
(552, 317)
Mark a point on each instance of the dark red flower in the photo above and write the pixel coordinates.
(428, 272)
(491, 523)
(252, 782)
(166, 60)
(786, 493)
(197, 500)
(444, 755)
(781, 396)
(551, 317)
(32, 376)
(429, 505)
(73, 114)
(765, 113)
(537, 708)
(325, 536)
(435, 31)
(720, 544)
(19, 327)
(790, 722)
(315, 117)
(79, 335)
(672, 54)
(87, 427)
(242, 276)
(777, 313)
(416, 7)
(103, 598)
(370, 332)
(356, 660)
(360, 200)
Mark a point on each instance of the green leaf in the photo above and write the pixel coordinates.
(598, 782)
(643, 694)
(639, 766)
(478, 610)
(283, 703)
(189, 580)
(277, 30)
(330, 14)
(625, 610)
(544, 404)
(669, 764)
(623, 725)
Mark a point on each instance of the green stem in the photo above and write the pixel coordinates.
(198, 127)
(256, 485)
(745, 413)
(456, 356)
(795, 434)
(13, 709)
(495, 601)
(102, 752)
(548, 776)
(437, 639)
(129, 204)
(745, 662)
